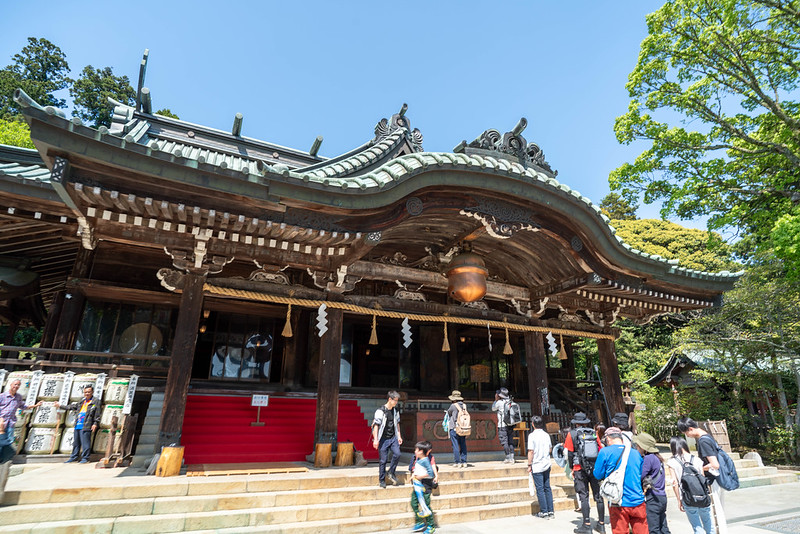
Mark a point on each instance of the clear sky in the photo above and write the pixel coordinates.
(300, 69)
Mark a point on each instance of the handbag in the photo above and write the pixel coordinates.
(611, 486)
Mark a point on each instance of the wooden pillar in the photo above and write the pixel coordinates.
(434, 377)
(180, 365)
(537, 371)
(609, 371)
(330, 359)
(452, 356)
(9, 340)
(53, 315)
(69, 319)
(569, 363)
(289, 374)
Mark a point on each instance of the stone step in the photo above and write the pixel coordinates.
(299, 519)
(161, 487)
(328, 503)
(778, 477)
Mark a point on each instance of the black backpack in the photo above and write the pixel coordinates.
(694, 491)
(584, 441)
(728, 478)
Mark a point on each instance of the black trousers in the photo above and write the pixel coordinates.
(656, 513)
(506, 435)
(583, 481)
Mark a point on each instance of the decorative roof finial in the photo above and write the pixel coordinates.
(315, 146)
(237, 125)
(399, 121)
(510, 145)
(142, 72)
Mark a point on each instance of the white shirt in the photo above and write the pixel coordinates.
(539, 442)
(677, 465)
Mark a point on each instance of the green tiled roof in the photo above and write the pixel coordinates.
(346, 174)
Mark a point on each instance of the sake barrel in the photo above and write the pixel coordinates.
(51, 387)
(70, 418)
(24, 379)
(109, 411)
(101, 440)
(19, 435)
(40, 440)
(67, 440)
(47, 415)
(116, 390)
(78, 383)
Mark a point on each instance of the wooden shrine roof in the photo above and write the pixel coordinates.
(387, 211)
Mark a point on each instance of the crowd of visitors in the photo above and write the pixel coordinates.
(623, 470)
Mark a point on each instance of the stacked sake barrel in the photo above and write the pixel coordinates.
(113, 402)
(25, 383)
(44, 434)
(75, 395)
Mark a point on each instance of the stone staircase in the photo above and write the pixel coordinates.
(145, 448)
(332, 500)
(751, 474)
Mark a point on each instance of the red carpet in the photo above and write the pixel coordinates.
(216, 429)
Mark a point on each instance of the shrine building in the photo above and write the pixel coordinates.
(215, 266)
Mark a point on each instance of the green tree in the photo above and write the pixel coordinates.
(40, 69)
(694, 249)
(167, 113)
(91, 91)
(15, 133)
(714, 94)
(615, 206)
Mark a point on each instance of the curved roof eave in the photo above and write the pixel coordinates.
(393, 180)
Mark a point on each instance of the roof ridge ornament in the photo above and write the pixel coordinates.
(399, 121)
(509, 144)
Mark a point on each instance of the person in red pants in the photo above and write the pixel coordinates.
(631, 510)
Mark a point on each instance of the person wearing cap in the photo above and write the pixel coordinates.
(505, 433)
(621, 420)
(459, 442)
(653, 483)
(631, 510)
(584, 480)
(539, 446)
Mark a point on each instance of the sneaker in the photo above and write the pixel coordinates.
(464, 464)
(551, 515)
(84, 461)
(600, 527)
(429, 530)
(383, 485)
(392, 479)
(583, 529)
(419, 527)
(70, 461)
(456, 465)
(542, 515)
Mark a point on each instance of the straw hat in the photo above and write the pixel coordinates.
(455, 396)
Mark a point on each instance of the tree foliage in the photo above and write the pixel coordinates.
(166, 112)
(615, 206)
(695, 249)
(91, 92)
(714, 94)
(40, 69)
(15, 133)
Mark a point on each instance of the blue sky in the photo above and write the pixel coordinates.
(296, 70)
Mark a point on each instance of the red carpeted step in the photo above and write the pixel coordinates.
(216, 429)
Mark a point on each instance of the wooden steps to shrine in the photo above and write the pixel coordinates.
(331, 500)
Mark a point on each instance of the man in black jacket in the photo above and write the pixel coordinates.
(86, 422)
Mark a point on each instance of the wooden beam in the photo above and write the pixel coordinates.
(565, 286)
(330, 359)
(609, 375)
(180, 366)
(537, 372)
(390, 273)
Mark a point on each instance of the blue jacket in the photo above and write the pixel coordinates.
(607, 461)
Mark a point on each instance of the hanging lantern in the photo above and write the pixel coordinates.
(466, 277)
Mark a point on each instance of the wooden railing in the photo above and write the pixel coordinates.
(60, 360)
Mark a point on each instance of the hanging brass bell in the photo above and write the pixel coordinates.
(466, 277)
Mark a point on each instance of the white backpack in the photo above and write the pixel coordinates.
(611, 486)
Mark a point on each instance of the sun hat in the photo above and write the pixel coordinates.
(503, 392)
(455, 396)
(581, 419)
(612, 431)
(646, 442)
